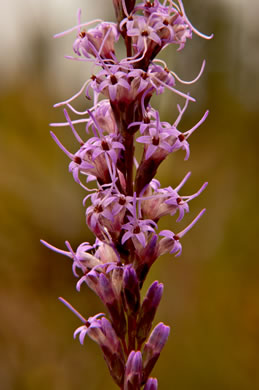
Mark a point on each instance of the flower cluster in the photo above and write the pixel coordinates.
(124, 201)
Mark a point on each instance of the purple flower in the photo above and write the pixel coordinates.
(170, 243)
(104, 118)
(158, 202)
(107, 144)
(137, 228)
(106, 213)
(142, 33)
(92, 327)
(82, 259)
(156, 138)
(113, 83)
(100, 39)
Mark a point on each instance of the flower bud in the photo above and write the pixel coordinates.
(113, 305)
(151, 384)
(131, 289)
(145, 258)
(113, 353)
(133, 371)
(102, 286)
(153, 348)
(148, 311)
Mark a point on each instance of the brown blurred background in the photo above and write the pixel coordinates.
(211, 291)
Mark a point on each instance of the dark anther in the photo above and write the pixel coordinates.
(122, 201)
(113, 80)
(98, 209)
(93, 77)
(136, 230)
(165, 22)
(149, 4)
(155, 141)
(146, 119)
(176, 238)
(181, 137)
(105, 146)
(77, 160)
(144, 76)
(82, 34)
(179, 200)
(144, 33)
(87, 324)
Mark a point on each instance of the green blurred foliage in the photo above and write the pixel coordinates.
(211, 292)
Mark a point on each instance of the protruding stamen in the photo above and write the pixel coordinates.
(186, 177)
(95, 123)
(76, 28)
(74, 96)
(191, 81)
(64, 124)
(70, 307)
(62, 147)
(184, 231)
(188, 198)
(79, 11)
(189, 132)
(125, 8)
(104, 40)
(131, 60)
(57, 250)
(191, 26)
(77, 136)
(181, 112)
(175, 90)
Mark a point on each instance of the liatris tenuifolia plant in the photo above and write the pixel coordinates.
(126, 201)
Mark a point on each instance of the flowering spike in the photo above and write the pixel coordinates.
(126, 202)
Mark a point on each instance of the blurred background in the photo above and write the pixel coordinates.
(211, 291)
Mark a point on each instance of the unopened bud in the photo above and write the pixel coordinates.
(151, 384)
(154, 347)
(133, 371)
(148, 310)
(131, 289)
(112, 352)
